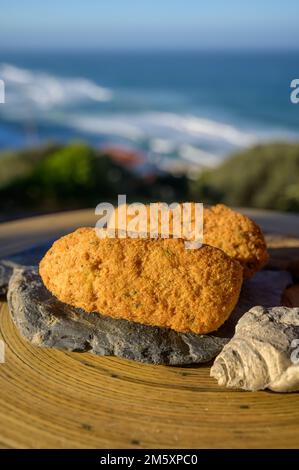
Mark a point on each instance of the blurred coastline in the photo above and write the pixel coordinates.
(80, 127)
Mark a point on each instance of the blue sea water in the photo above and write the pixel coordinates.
(188, 108)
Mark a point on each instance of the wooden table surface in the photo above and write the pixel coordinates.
(50, 398)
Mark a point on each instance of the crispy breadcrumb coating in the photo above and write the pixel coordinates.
(234, 233)
(153, 282)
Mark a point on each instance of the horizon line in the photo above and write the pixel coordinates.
(85, 49)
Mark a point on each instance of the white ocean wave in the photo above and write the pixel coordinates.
(198, 156)
(107, 125)
(199, 127)
(43, 90)
(165, 129)
(162, 146)
(186, 137)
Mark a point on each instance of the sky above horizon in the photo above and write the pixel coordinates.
(155, 24)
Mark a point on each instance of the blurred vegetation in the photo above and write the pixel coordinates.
(57, 177)
(61, 177)
(265, 176)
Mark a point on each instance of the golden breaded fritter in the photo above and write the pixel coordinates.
(234, 233)
(153, 282)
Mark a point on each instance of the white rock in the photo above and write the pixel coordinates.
(263, 353)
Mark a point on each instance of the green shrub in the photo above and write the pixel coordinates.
(60, 177)
(67, 173)
(19, 164)
(265, 176)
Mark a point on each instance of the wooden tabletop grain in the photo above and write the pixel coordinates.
(53, 399)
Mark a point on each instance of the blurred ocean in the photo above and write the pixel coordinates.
(184, 108)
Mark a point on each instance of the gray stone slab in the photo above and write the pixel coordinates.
(27, 257)
(45, 321)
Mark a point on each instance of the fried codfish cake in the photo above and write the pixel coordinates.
(234, 233)
(153, 282)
